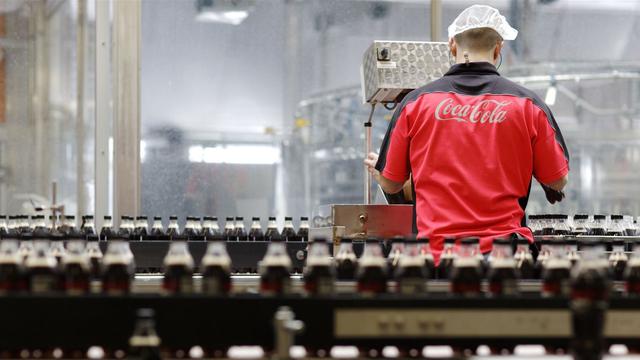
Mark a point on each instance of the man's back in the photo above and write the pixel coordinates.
(473, 140)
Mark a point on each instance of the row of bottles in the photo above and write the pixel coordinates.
(582, 224)
(138, 228)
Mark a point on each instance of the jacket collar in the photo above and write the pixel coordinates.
(477, 68)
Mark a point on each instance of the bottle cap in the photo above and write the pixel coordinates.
(255, 219)
(239, 218)
(173, 217)
(89, 217)
(3, 216)
(617, 217)
(450, 240)
(304, 218)
(320, 240)
(157, 218)
(599, 217)
(70, 217)
(107, 217)
(141, 217)
(288, 218)
(580, 217)
(208, 218)
(229, 218)
(272, 218)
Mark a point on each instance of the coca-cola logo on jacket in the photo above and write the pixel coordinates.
(485, 111)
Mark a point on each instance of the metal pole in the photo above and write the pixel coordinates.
(367, 150)
(103, 110)
(80, 49)
(436, 19)
(126, 96)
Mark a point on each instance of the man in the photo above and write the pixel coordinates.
(472, 141)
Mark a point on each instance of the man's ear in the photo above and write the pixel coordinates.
(453, 47)
(497, 50)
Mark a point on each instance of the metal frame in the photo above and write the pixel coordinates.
(103, 110)
(126, 95)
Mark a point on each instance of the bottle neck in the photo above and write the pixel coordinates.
(157, 224)
(288, 224)
(255, 224)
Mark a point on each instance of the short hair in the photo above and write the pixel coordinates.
(479, 39)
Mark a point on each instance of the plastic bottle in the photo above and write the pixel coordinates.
(216, 268)
(466, 273)
(93, 255)
(178, 267)
(319, 274)
(58, 250)
(524, 260)
(173, 229)
(372, 270)
(239, 231)
(346, 260)
(11, 269)
(255, 233)
(210, 228)
(229, 232)
(580, 224)
(303, 229)
(89, 226)
(42, 270)
(274, 269)
(76, 268)
(411, 274)
(427, 256)
(118, 267)
(556, 271)
(190, 230)
(288, 232)
(447, 257)
(502, 274)
(393, 258)
(141, 227)
(272, 230)
(157, 229)
(618, 259)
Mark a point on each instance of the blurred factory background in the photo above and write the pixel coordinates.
(254, 107)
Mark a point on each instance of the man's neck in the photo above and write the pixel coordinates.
(473, 57)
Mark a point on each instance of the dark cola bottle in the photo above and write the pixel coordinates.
(535, 224)
(210, 228)
(288, 232)
(229, 232)
(26, 244)
(484, 266)
(556, 272)
(272, 229)
(190, 230)
(4, 230)
(319, 274)
(141, 230)
(543, 256)
(37, 224)
(12, 225)
(561, 225)
(216, 268)
(547, 224)
(275, 268)
(42, 269)
(69, 225)
(346, 261)
(447, 257)
(411, 274)
(256, 233)
(590, 289)
(144, 343)
(58, 250)
(598, 227)
(76, 270)
(371, 275)
(632, 273)
(580, 224)
(124, 229)
(11, 269)
(303, 229)
(502, 274)
(616, 226)
(157, 229)
(466, 273)
(393, 258)
(106, 231)
(524, 260)
(178, 267)
(427, 256)
(618, 259)
(118, 267)
(173, 229)
(93, 254)
(239, 231)
(88, 225)
(572, 251)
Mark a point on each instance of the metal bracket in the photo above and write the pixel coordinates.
(285, 327)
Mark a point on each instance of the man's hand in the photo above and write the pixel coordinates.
(370, 162)
(553, 196)
(389, 186)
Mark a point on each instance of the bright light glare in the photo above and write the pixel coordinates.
(550, 97)
(143, 150)
(233, 17)
(236, 154)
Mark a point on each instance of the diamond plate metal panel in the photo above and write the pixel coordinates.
(391, 69)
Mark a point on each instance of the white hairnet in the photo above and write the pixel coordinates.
(482, 16)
